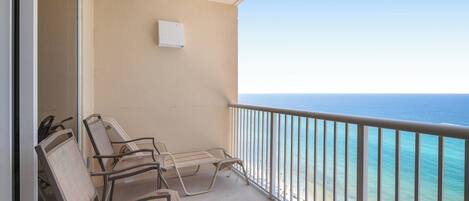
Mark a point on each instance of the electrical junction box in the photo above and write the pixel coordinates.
(171, 34)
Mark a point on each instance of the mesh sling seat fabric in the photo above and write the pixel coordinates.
(175, 161)
(63, 163)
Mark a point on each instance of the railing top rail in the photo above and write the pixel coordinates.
(445, 130)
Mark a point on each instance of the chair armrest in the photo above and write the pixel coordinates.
(139, 139)
(163, 156)
(134, 140)
(116, 156)
(128, 172)
(220, 152)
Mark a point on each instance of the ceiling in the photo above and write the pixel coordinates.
(231, 2)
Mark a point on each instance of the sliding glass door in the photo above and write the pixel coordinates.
(58, 61)
(6, 97)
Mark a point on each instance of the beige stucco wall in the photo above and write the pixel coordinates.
(179, 96)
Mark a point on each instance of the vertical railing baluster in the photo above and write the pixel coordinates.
(278, 155)
(262, 150)
(397, 165)
(307, 159)
(251, 143)
(240, 129)
(284, 157)
(346, 163)
(380, 162)
(244, 117)
(247, 142)
(275, 153)
(417, 167)
(362, 161)
(335, 163)
(241, 134)
(466, 170)
(232, 133)
(271, 153)
(245, 137)
(266, 147)
(239, 119)
(440, 167)
(299, 163)
(291, 158)
(257, 146)
(271, 148)
(237, 133)
(315, 157)
(324, 163)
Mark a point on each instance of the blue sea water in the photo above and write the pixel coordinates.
(450, 109)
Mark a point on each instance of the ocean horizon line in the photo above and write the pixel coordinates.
(349, 93)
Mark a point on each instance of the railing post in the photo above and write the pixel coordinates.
(466, 171)
(362, 163)
(271, 157)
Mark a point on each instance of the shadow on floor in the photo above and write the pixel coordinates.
(229, 186)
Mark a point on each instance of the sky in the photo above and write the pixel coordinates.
(353, 46)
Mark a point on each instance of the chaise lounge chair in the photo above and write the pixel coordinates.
(63, 163)
(168, 161)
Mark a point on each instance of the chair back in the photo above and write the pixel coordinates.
(99, 139)
(62, 161)
(44, 128)
(117, 133)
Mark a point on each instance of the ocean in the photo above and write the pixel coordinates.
(447, 109)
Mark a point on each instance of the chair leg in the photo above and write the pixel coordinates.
(244, 172)
(184, 185)
(212, 182)
(112, 191)
(162, 180)
(214, 177)
(158, 181)
(105, 189)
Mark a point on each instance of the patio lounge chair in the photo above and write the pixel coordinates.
(168, 161)
(63, 163)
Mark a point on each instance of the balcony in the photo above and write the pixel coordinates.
(180, 96)
(286, 159)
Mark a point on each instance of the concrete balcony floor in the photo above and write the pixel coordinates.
(232, 188)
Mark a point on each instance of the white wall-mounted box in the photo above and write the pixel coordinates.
(170, 34)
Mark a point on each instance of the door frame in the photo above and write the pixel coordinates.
(27, 72)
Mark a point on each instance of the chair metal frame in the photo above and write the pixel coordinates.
(118, 156)
(223, 161)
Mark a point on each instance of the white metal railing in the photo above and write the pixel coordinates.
(297, 155)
